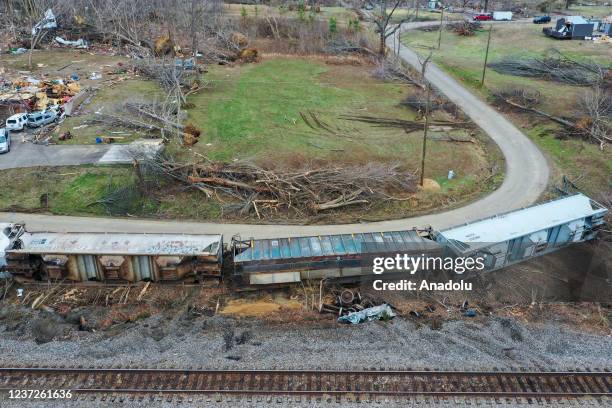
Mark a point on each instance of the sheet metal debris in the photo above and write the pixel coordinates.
(382, 312)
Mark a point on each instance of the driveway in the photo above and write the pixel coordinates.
(526, 178)
(33, 155)
(25, 154)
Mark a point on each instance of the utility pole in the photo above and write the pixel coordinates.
(440, 31)
(484, 68)
(425, 131)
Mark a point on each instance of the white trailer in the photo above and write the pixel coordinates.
(502, 15)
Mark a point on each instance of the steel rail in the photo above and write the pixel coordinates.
(568, 384)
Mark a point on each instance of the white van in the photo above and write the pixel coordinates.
(17, 121)
(40, 118)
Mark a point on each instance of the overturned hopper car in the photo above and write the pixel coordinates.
(108, 257)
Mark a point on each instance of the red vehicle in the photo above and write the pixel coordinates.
(483, 17)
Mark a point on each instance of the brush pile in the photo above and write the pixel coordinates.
(156, 119)
(245, 187)
(465, 28)
(418, 102)
(554, 67)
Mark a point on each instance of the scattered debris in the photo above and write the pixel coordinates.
(344, 302)
(48, 22)
(382, 312)
(80, 43)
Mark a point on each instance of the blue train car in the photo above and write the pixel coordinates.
(286, 260)
(516, 236)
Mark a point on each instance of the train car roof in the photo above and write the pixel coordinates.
(262, 250)
(504, 227)
(119, 244)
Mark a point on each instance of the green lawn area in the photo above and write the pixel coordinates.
(463, 58)
(587, 11)
(253, 111)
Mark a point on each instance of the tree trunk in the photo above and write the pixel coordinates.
(382, 47)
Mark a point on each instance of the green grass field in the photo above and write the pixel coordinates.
(463, 57)
(254, 111)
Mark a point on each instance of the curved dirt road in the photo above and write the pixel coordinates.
(526, 178)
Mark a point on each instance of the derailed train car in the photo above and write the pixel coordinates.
(341, 257)
(77, 256)
(516, 236)
(124, 257)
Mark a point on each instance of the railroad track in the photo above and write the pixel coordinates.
(313, 383)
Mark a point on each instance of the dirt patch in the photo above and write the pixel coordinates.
(258, 308)
(430, 185)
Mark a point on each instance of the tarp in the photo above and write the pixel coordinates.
(80, 43)
(46, 23)
(383, 311)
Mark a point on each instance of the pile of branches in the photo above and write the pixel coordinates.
(553, 67)
(592, 119)
(392, 69)
(159, 119)
(418, 102)
(465, 28)
(245, 187)
(177, 82)
(407, 125)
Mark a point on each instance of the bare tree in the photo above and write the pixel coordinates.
(596, 110)
(382, 19)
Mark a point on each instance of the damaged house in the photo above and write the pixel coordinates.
(571, 28)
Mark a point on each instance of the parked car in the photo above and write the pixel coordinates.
(40, 118)
(17, 122)
(5, 140)
(483, 17)
(541, 19)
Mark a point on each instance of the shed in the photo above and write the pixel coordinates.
(517, 235)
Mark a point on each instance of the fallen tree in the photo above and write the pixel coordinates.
(245, 187)
(593, 119)
(407, 125)
(553, 67)
(158, 119)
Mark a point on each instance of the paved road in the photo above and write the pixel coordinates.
(31, 155)
(526, 178)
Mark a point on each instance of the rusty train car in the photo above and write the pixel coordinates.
(111, 257)
(501, 240)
